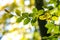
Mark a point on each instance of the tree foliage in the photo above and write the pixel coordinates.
(51, 15)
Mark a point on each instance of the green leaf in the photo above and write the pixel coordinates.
(49, 30)
(31, 15)
(33, 21)
(54, 38)
(25, 15)
(52, 1)
(34, 10)
(50, 27)
(19, 19)
(59, 6)
(18, 12)
(52, 11)
(50, 7)
(40, 12)
(56, 29)
(26, 21)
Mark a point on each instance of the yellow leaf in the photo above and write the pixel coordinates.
(42, 17)
(54, 18)
(47, 15)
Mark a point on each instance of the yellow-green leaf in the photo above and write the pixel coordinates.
(18, 12)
